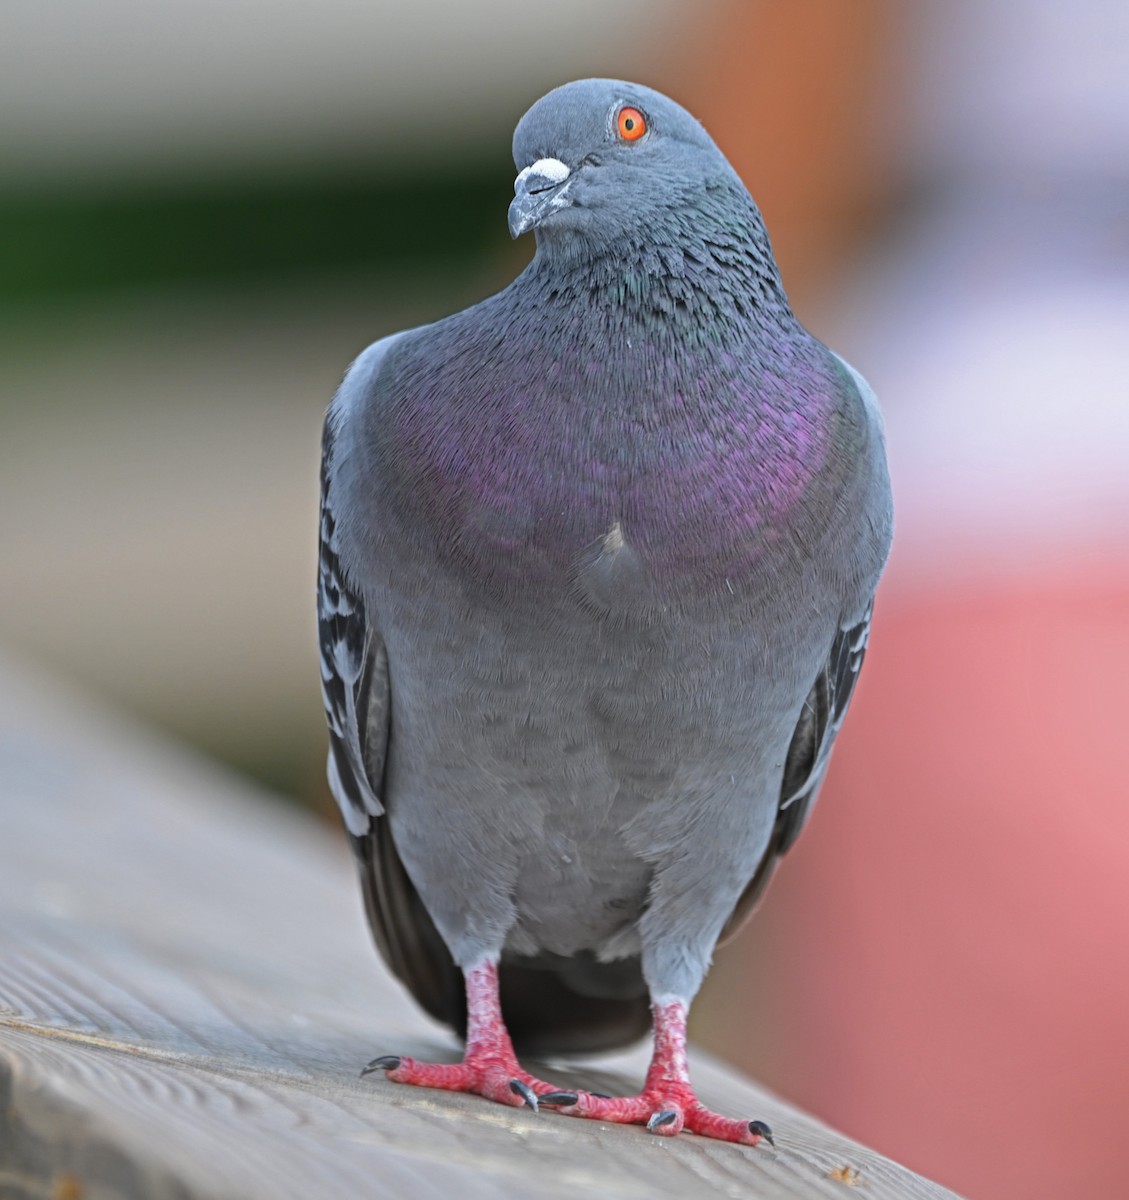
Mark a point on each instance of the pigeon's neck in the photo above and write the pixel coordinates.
(709, 273)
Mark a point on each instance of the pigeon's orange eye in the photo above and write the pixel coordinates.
(630, 124)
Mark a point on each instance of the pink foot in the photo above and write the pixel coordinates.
(496, 1078)
(665, 1111)
(489, 1067)
(667, 1104)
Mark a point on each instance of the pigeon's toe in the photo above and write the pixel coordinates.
(451, 1077)
(706, 1123)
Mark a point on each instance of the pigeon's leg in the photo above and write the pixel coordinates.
(489, 1067)
(667, 1103)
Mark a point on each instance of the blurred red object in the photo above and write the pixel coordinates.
(957, 983)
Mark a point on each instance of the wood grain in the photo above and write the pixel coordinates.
(187, 994)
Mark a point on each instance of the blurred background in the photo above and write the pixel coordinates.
(208, 209)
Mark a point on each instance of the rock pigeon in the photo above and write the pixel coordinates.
(597, 563)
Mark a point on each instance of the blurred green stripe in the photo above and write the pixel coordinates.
(59, 243)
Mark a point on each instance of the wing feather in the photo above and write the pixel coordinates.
(805, 766)
(357, 691)
(354, 671)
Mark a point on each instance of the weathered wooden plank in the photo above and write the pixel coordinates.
(187, 992)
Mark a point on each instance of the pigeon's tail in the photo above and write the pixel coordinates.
(573, 1005)
(551, 1004)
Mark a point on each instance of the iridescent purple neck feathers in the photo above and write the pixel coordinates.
(531, 427)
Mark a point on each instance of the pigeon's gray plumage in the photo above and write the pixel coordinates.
(597, 563)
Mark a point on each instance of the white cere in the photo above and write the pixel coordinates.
(551, 169)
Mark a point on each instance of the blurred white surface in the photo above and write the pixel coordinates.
(95, 88)
(1007, 411)
(1025, 84)
(992, 319)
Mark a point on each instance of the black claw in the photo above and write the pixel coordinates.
(562, 1099)
(525, 1092)
(600, 1095)
(386, 1062)
(759, 1127)
(659, 1119)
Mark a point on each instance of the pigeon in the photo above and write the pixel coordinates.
(597, 563)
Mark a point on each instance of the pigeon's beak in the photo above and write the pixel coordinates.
(538, 190)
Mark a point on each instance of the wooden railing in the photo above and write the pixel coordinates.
(187, 993)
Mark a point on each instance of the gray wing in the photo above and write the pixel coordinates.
(808, 755)
(354, 671)
(356, 689)
(818, 727)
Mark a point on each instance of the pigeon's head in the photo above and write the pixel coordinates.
(600, 161)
